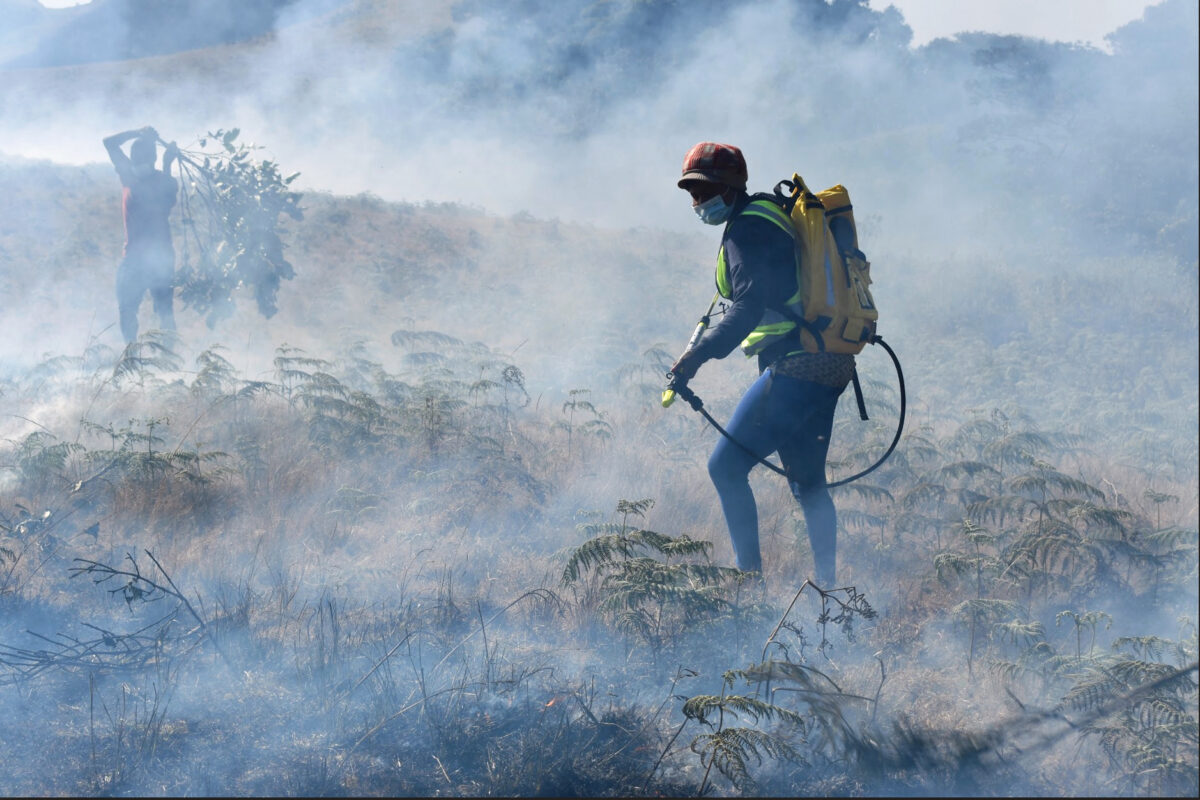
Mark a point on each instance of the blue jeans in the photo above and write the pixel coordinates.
(794, 417)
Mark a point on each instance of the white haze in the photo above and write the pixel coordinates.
(944, 153)
(974, 165)
(374, 118)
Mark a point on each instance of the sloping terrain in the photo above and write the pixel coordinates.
(363, 508)
(427, 530)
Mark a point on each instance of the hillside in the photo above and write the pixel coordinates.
(414, 474)
(547, 293)
(428, 530)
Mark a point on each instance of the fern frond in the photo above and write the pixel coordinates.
(1017, 447)
(923, 493)
(702, 707)
(1143, 647)
(853, 518)
(969, 497)
(638, 508)
(1174, 539)
(997, 509)
(730, 749)
(986, 609)
(684, 545)
(959, 564)
(868, 492)
(650, 540)
(595, 552)
(1020, 632)
(968, 469)
(425, 338)
(152, 350)
(798, 674)
(635, 622)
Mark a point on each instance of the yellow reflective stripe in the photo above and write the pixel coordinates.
(723, 286)
(772, 329)
(768, 210)
(763, 335)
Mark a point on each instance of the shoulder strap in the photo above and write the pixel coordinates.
(764, 205)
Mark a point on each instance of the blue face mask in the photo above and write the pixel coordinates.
(713, 211)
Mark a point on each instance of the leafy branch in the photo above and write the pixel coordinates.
(231, 209)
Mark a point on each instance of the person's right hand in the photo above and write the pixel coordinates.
(685, 368)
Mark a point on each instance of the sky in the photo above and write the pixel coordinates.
(1087, 21)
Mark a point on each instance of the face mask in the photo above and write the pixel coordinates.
(713, 211)
(143, 170)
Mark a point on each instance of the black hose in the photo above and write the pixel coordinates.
(695, 402)
(899, 426)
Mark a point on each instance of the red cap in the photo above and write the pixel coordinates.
(711, 162)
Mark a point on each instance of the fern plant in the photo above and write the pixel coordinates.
(731, 748)
(1141, 705)
(153, 351)
(796, 711)
(974, 564)
(648, 585)
(43, 462)
(1081, 621)
(594, 425)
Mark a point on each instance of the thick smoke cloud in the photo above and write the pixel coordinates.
(970, 160)
(990, 175)
(579, 110)
(112, 30)
(976, 150)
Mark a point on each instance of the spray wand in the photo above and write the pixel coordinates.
(672, 390)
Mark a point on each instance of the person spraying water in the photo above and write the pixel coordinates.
(797, 287)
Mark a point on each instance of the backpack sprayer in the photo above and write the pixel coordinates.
(676, 388)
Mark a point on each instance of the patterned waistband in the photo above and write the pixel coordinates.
(827, 369)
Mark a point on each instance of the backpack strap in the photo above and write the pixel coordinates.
(787, 201)
(858, 395)
(764, 205)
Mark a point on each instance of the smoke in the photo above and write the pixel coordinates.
(990, 175)
(479, 105)
(963, 157)
(983, 168)
(112, 30)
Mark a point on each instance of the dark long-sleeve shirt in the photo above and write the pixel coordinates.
(761, 263)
